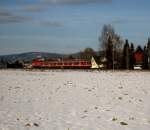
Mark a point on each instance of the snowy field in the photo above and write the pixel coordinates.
(74, 100)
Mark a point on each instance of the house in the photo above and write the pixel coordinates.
(95, 63)
(138, 56)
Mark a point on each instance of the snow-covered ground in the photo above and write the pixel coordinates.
(74, 100)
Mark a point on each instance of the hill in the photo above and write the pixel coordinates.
(29, 56)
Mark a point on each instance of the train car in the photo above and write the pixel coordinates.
(77, 63)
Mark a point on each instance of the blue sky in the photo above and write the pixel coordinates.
(68, 26)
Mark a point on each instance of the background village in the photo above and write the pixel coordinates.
(114, 53)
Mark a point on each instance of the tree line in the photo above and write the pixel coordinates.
(120, 54)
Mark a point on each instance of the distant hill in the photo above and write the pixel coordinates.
(28, 57)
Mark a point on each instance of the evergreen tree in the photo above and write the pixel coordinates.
(126, 57)
(145, 58)
(132, 60)
(123, 57)
(109, 52)
(139, 49)
(148, 52)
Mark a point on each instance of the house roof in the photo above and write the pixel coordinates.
(97, 59)
(100, 59)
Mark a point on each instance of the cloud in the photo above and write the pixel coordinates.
(7, 16)
(34, 8)
(75, 1)
(119, 21)
(42, 5)
(4, 13)
(52, 24)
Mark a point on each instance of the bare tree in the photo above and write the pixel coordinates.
(109, 32)
(148, 52)
(112, 43)
(87, 53)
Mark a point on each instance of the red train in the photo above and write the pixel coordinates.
(77, 63)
